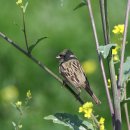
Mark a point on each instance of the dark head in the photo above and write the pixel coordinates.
(65, 55)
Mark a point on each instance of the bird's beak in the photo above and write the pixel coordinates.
(58, 57)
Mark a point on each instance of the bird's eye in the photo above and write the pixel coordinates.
(61, 55)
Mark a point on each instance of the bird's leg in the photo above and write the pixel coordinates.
(64, 82)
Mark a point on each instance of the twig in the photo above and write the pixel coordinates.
(123, 46)
(100, 59)
(42, 66)
(102, 10)
(24, 31)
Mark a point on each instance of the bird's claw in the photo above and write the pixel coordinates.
(64, 83)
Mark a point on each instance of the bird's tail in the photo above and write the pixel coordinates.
(96, 100)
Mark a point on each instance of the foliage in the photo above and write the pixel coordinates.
(126, 71)
(72, 121)
(83, 3)
(105, 50)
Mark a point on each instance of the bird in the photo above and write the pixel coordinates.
(73, 74)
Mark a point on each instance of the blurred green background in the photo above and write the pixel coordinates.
(64, 28)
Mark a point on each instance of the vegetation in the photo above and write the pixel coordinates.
(40, 31)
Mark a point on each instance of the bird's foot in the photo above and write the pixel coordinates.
(64, 83)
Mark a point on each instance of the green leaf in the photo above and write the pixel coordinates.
(104, 50)
(88, 124)
(83, 3)
(72, 121)
(126, 70)
(34, 45)
(126, 100)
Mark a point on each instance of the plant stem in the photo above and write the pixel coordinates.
(116, 98)
(123, 46)
(103, 10)
(117, 109)
(122, 60)
(127, 116)
(95, 120)
(100, 59)
(24, 31)
(42, 66)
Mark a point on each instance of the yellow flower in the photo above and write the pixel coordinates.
(114, 51)
(18, 104)
(115, 58)
(88, 105)
(19, 2)
(87, 109)
(102, 120)
(115, 54)
(119, 29)
(89, 66)
(29, 95)
(101, 123)
(109, 82)
(102, 127)
(80, 109)
(88, 112)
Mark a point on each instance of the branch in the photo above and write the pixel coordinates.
(100, 59)
(42, 66)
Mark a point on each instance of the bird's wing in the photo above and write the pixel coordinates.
(87, 82)
(72, 72)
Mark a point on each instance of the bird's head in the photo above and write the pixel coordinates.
(65, 55)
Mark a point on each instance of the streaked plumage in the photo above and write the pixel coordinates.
(72, 72)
